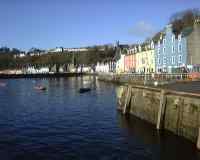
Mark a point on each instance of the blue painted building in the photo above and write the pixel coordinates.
(170, 51)
(178, 53)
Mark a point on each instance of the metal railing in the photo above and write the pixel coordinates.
(149, 77)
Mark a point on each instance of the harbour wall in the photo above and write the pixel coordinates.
(40, 75)
(178, 112)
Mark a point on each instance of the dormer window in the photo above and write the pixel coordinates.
(179, 37)
(152, 45)
(140, 49)
(158, 43)
(173, 38)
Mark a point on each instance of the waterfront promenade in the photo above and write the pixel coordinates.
(192, 86)
(177, 82)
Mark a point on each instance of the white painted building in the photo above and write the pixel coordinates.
(75, 49)
(56, 50)
(32, 70)
(20, 55)
(102, 67)
(105, 67)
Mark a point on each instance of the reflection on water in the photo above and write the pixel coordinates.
(60, 123)
(164, 145)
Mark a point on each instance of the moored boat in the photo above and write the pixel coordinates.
(83, 90)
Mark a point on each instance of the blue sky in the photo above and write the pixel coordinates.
(75, 23)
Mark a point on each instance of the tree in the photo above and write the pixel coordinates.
(184, 19)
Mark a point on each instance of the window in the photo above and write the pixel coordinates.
(163, 50)
(173, 49)
(180, 59)
(173, 60)
(164, 60)
(152, 61)
(179, 48)
(173, 38)
(158, 50)
(164, 41)
(159, 61)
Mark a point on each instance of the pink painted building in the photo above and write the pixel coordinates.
(130, 61)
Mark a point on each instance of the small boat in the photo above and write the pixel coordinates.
(83, 90)
(2, 84)
(41, 88)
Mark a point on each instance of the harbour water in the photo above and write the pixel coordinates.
(61, 123)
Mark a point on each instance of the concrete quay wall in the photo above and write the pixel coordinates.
(178, 112)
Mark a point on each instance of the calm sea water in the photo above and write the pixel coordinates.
(61, 124)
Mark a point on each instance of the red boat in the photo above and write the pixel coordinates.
(41, 88)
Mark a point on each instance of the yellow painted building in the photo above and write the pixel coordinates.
(145, 60)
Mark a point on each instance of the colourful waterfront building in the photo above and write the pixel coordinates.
(121, 51)
(145, 58)
(130, 60)
(120, 65)
(178, 53)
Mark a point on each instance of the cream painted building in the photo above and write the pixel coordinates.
(145, 59)
(120, 64)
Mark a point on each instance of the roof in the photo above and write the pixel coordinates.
(117, 54)
(187, 31)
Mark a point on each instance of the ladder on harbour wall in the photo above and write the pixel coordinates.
(161, 110)
(127, 100)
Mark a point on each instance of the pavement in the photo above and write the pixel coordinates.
(192, 87)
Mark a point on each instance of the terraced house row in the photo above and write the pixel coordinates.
(167, 53)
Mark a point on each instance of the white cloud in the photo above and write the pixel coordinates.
(142, 29)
